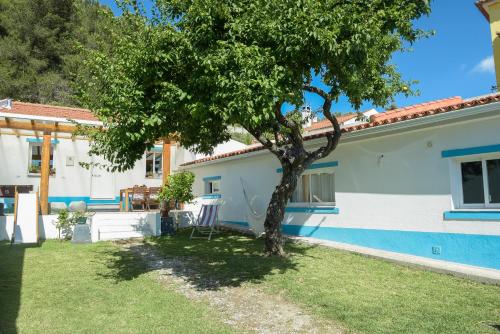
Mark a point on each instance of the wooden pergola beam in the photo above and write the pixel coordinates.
(16, 125)
(8, 122)
(45, 173)
(166, 160)
(36, 132)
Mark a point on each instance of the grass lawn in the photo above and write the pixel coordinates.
(363, 294)
(65, 288)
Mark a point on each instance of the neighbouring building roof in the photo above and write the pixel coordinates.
(389, 117)
(323, 124)
(480, 5)
(44, 110)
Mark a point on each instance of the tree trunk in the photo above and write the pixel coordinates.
(276, 212)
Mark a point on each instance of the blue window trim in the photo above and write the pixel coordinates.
(157, 149)
(212, 178)
(470, 151)
(472, 215)
(316, 166)
(39, 140)
(310, 209)
(212, 196)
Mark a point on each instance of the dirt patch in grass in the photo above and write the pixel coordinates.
(244, 307)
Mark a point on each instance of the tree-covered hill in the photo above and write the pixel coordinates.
(39, 54)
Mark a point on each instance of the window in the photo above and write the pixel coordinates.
(212, 187)
(35, 159)
(315, 189)
(153, 164)
(480, 183)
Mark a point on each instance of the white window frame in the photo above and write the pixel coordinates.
(154, 176)
(209, 190)
(457, 190)
(30, 158)
(311, 203)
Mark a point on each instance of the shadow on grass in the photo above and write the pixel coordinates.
(11, 272)
(229, 259)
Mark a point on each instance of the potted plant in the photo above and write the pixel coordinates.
(178, 189)
(66, 220)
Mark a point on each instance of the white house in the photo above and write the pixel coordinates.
(422, 180)
(22, 126)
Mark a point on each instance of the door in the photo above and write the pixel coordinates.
(102, 183)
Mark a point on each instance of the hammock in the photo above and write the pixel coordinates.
(255, 220)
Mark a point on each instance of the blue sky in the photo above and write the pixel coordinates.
(456, 61)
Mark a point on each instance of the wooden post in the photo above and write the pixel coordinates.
(166, 160)
(45, 174)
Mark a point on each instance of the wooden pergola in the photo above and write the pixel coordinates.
(49, 128)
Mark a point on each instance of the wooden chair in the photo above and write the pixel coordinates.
(139, 197)
(153, 199)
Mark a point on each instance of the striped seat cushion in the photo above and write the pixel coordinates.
(208, 215)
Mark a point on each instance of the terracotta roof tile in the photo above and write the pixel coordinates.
(33, 109)
(410, 110)
(394, 116)
(327, 124)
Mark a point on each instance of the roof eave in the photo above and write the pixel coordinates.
(479, 5)
(465, 114)
(48, 119)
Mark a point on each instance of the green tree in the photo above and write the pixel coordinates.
(196, 68)
(178, 188)
(39, 40)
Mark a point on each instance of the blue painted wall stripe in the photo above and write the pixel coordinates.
(471, 249)
(39, 140)
(85, 199)
(212, 178)
(212, 196)
(316, 166)
(470, 151)
(9, 202)
(231, 222)
(324, 210)
(472, 215)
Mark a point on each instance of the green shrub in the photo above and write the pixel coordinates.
(66, 221)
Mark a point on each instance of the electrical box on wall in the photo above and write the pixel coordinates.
(436, 250)
(70, 161)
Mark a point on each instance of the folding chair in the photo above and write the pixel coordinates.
(206, 221)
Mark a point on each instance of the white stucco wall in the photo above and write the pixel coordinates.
(408, 189)
(69, 181)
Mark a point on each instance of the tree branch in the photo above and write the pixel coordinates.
(295, 136)
(332, 138)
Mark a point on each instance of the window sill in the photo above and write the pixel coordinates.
(38, 175)
(483, 215)
(153, 177)
(313, 209)
(211, 196)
